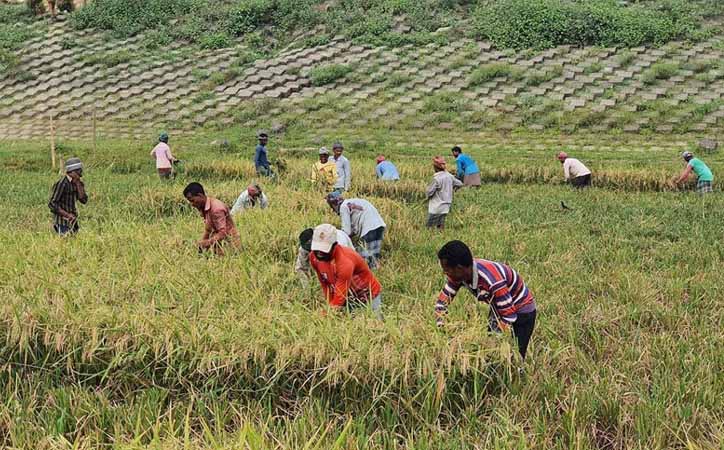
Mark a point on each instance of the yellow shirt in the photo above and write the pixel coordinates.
(324, 174)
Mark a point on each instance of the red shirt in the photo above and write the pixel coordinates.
(347, 273)
(218, 221)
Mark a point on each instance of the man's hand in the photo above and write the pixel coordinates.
(70, 216)
(74, 176)
(205, 243)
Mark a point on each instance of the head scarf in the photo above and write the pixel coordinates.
(438, 162)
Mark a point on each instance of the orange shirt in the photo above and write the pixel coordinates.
(347, 273)
(218, 221)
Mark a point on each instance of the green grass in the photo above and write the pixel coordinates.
(660, 71)
(489, 72)
(124, 337)
(328, 74)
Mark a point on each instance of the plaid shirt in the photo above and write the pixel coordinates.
(64, 195)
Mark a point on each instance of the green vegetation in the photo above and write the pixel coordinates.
(125, 337)
(328, 74)
(660, 71)
(538, 77)
(546, 23)
(111, 59)
(445, 102)
(489, 72)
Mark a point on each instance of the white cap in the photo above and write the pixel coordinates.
(323, 151)
(324, 237)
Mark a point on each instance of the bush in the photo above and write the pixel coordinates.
(215, 41)
(11, 14)
(547, 23)
(445, 102)
(8, 61)
(489, 72)
(109, 59)
(660, 71)
(322, 75)
(153, 40)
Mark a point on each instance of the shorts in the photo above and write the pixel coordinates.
(165, 174)
(375, 305)
(704, 187)
(372, 246)
(265, 171)
(436, 220)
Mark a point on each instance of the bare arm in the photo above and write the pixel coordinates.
(684, 175)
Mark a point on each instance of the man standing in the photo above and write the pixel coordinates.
(704, 177)
(164, 158)
(344, 170)
(360, 219)
(249, 198)
(261, 162)
(385, 170)
(219, 226)
(575, 171)
(62, 199)
(467, 170)
(496, 284)
(324, 172)
(301, 266)
(344, 276)
(440, 194)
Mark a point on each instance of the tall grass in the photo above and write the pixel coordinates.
(125, 337)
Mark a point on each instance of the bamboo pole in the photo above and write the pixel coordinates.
(95, 134)
(52, 141)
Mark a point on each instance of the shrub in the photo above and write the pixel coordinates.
(14, 36)
(8, 61)
(626, 58)
(445, 102)
(538, 77)
(11, 14)
(491, 71)
(660, 71)
(322, 75)
(109, 59)
(547, 23)
(215, 40)
(155, 39)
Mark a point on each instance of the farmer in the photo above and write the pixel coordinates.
(467, 170)
(344, 170)
(62, 199)
(440, 194)
(261, 162)
(164, 158)
(360, 219)
(511, 303)
(704, 177)
(575, 171)
(249, 198)
(219, 226)
(301, 266)
(324, 172)
(385, 170)
(345, 278)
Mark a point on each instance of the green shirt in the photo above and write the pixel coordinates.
(703, 172)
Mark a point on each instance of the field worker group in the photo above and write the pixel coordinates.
(345, 270)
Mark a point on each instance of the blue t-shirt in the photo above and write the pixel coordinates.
(466, 165)
(387, 171)
(260, 157)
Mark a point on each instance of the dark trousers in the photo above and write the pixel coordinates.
(522, 329)
(63, 230)
(582, 181)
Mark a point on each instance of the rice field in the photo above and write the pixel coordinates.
(125, 337)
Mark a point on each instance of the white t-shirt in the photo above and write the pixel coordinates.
(573, 168)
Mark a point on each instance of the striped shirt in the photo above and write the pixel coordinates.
(493, 283)
(63, 196)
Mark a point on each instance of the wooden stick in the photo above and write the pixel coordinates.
(95, 135)
(52, 140)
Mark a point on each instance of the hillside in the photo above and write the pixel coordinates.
(451, 83)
